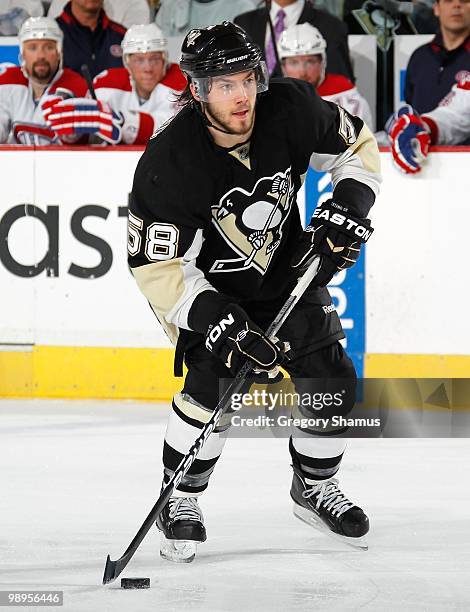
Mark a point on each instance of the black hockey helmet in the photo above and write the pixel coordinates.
(219, 49)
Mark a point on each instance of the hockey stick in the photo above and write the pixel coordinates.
(114, 568)
(89, 81)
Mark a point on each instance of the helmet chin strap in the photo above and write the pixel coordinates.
(207, 122)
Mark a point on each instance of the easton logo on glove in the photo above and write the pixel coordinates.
(353, 227)
(336, 236)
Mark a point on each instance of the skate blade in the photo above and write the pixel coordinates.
(308, 517)
(178, 551)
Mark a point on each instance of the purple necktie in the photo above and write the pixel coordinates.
(278, 29)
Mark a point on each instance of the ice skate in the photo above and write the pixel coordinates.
(181, 526)
(323, 506)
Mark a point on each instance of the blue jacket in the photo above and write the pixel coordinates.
(431, 72)
(99, 49)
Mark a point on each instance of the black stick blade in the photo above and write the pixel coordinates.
(109, 571)
(113, 569)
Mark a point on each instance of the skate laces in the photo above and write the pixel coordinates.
(329, 496)
(185, 509)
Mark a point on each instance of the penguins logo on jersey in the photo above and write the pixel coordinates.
(251, 222)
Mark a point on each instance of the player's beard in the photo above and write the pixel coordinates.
(42, 72)
(227, 122)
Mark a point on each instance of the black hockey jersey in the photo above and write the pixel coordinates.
(209, 226)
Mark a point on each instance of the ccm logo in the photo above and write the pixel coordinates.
(217, 330)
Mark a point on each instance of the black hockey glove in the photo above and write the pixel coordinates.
(334, 234)
(234, 339)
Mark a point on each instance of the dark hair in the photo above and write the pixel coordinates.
(185, 98)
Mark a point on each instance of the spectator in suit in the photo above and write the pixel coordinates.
(125, 12)
(436, 67)
(285, 13)
(177, 17)
(90, 37)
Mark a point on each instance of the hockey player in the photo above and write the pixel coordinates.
(145, 91)
(412, 134)
(216, 243)
(27, 92)
(134, 100)
(302, 51)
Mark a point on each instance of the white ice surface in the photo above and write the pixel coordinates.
(78, 478)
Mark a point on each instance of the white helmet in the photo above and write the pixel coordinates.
(143, 39)
(301, 39)
(41, 28)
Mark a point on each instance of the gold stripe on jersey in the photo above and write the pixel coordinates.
(172, 331)
(360, 161)
(162, 283)
(367, 150)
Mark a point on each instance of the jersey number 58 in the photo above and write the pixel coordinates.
(161, 242)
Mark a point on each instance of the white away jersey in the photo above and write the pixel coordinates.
(21, 118)
(115, 87)
(340, 90)
(450, 121)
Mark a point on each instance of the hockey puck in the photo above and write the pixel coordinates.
(135, 583)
